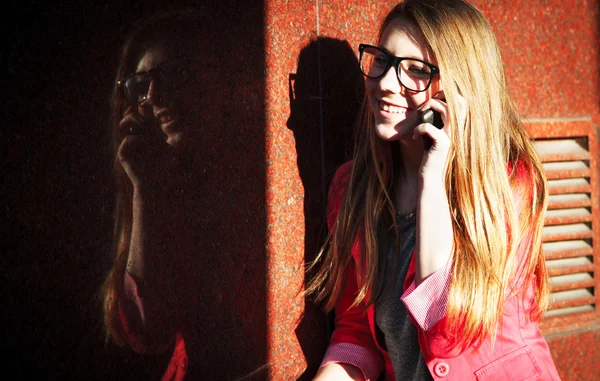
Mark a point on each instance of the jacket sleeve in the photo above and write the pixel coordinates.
(351, 341)
(427, 302)
(132, 316)
(430, 317)
(426, 305)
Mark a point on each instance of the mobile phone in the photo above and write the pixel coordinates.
(433, 117)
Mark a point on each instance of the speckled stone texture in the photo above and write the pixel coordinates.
(576, 354)
(550, 51)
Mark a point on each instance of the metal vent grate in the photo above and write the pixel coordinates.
(568, 232)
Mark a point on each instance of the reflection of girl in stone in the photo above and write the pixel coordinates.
(150, 292)
(434, 264)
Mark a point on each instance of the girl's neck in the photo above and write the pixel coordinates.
(411, 154)
(406, 181)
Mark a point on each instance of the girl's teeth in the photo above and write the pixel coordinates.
(392, 109)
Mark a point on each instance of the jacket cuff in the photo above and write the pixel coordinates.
(352, 354)
(427, 302)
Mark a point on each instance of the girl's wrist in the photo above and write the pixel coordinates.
(432, 185)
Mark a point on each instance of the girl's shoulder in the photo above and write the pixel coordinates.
(519, 171)
(522, 179)
(342, 174)
(340, 180)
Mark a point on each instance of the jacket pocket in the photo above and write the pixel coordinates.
(519, 365)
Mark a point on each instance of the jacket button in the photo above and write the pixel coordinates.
(441, 369)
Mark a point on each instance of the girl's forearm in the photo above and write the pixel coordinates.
(434, 230)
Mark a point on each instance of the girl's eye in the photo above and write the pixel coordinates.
(380, 60)
(416, 68)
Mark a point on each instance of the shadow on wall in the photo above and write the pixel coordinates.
(325, 96)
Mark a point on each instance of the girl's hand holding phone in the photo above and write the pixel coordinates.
(435, 133)
(144, 153)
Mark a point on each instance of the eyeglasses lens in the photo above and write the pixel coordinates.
(412, 74)
(373, 62)
(136, 87)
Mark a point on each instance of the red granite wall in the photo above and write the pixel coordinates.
(552, 59)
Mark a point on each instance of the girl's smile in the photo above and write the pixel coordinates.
(389, 109)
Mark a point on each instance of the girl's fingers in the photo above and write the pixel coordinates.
(429, 130)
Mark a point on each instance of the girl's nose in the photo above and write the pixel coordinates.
(154, 95)
(390, 81)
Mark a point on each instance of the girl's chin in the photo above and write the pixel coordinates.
(390, 133)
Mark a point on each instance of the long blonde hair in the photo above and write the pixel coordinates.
(482, 176)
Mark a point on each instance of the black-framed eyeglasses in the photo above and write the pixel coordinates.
(413, 74)
(171, 74)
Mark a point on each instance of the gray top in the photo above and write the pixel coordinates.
(395, 330)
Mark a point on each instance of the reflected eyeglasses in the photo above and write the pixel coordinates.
(413, 74)
(170, 74)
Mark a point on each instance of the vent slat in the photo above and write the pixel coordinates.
(566, 249)
(571, 282)
(566, 232)
(565, 201)
(569, 311)
(567, 216)
(566, 169)
(560, 150)
(571, 298)
(570, 270)
(569, 266)
(579, 185)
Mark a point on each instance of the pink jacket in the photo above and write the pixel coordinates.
(520, 352)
